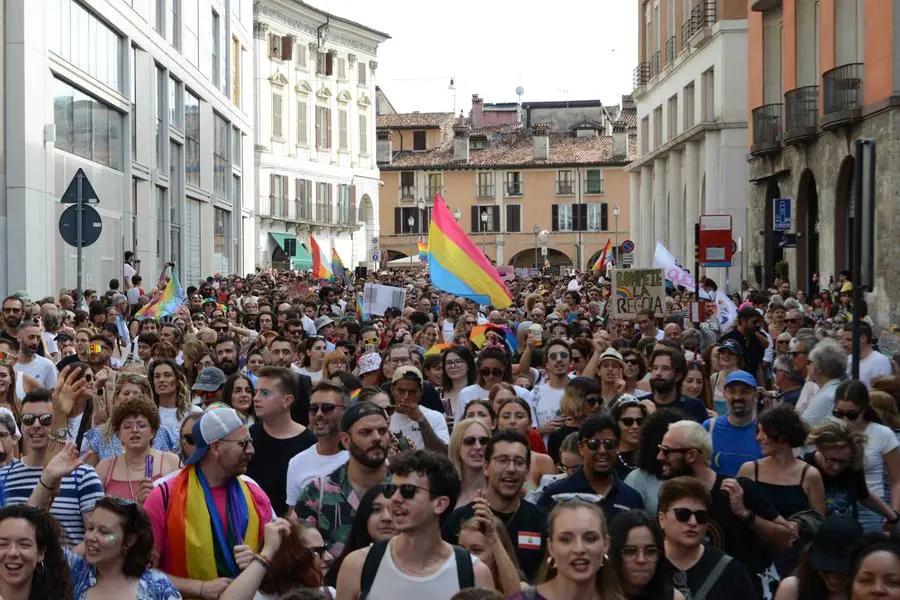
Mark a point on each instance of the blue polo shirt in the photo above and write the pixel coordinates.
(621, 496)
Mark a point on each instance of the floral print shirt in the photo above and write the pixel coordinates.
(166, 440)
(154, 585)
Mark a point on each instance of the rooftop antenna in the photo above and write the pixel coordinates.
(452, 88)
(519, 92)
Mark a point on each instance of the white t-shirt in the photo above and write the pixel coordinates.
(447, 329)
(476, 392)
(308, 465)
(315, 376)
(168, 417)
(545, 403)
(128, 272)
(133, 295)
(871, 367)
(402, 424)
(41, 369)
(49, 340)
(881, 440)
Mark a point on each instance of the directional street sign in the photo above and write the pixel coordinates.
(91, 226)
(70, 196)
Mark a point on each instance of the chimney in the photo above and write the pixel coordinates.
(541, 140)
(461, 140)
(619, 145)
(477, 111)
(383, 152)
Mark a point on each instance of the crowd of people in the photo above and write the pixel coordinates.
(270, 439)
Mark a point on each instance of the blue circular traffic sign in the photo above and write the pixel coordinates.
(627, 246)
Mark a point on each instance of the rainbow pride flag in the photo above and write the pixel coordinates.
(600, 265)
(338, 267)
(456, 264)
(166, 303)
(321, 266)
(423, 252)
(361, 315)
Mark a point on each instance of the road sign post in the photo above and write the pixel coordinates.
(80, 193)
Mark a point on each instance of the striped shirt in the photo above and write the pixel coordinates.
(79, 493)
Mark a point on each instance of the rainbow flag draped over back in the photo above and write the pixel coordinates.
(600, 265)
(456, 265)
(321, 266)
(337, 267)
(166, 303)
(423, 252)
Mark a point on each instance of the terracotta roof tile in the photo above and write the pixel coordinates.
(414, 121)
(628, 117)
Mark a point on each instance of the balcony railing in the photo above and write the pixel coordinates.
(407, 191)
(801, 113)
(324, 213)
(766, 128)
(565, 187)
(703, 15)
(513, 188)
(303, 211)
(654, 65)
(842, 92)
(277, 207)
(641, 74)
(432, 191)
(670, 51)
(484, 191)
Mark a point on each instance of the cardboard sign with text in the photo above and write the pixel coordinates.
(637, 289)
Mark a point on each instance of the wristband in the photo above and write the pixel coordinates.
(265, 563)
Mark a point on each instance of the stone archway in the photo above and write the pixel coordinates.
(366, 217)
(808, 230)
(843, 216)
(525, 258)
(772, 254)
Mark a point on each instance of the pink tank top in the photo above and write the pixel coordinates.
(122, 489)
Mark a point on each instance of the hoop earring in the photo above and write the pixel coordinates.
(605, 560)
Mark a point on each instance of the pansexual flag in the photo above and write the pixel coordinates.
(338, 267)
(600, 265)
(423, 252)
(361, 315)
(321, 268)
(166, 303)
(456, 264)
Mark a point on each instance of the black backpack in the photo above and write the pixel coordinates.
(465, 573)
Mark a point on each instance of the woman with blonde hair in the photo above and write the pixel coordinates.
(467, 443)
(335, 362)
(8, 398)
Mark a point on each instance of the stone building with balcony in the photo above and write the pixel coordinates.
(316, 172)
(508, 171)
(822, 75)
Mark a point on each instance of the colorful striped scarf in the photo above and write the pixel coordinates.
(199, 545)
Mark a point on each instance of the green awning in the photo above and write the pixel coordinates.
(302, 261)
(279, 238)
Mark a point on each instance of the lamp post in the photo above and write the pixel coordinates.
(457, 214)
(616, 217)
(536, 229)
(421, 205)
(410, 221)
(484, 219)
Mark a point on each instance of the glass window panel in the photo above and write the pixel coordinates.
(115, 139)
(83, 105)
(236, 147)
(100, 131)
(63, 116)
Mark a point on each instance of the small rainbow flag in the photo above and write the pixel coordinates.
(478, 336)
(456, 264)
(600, 265)
(360, 313)
(338, 267)
(321, 268)
(423, 252)
(166, 303)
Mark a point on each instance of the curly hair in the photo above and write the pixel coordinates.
(51, 581)
(135, 407)
(652, 433)
(782, 423)
(292, 566)
(442, 477)
(837, 433)
(135, 522)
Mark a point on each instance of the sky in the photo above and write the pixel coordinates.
(565, 49)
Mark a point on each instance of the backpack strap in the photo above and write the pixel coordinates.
(803, 473)
(713, 577)
(370, 567)
(465, 571)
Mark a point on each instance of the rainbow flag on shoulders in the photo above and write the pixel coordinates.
(166, 303)
(361, 315)
(423, 252)
(456, 264)
(321, 266)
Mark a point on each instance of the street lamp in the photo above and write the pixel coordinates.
(536, 229)
(457, 214)
(421, 205)
(410, 221)
(616, 217)
(484, 220)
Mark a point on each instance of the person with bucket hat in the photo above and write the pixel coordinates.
(208, 517)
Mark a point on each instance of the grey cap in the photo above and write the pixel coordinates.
(209, 379)
(322, 322)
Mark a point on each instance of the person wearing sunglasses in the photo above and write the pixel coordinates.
(423, 490)
(580, 400)
(326, 408)
(492, 367)
(692, 567)
(186, 437)
(427, 428)
(546, 396)
(630, 415)
(598, 444)
(466, 451)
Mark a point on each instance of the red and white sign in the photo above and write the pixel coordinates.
(715, 240)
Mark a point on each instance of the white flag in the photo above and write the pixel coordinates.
(726, 311)
(672, 269)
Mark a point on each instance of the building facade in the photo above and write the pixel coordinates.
(150, 99)
(315, 135)
(692, 125)
(506, 181)
(822, 75)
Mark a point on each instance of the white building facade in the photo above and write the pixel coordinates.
(147, 97)
(691, 97)
(316, 173)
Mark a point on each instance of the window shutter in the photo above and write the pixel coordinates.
(604, 217)
(398, 216)
(318, 127)
(329, 63)
(579, 217)
(287, 47)
(328, 126)
(496, 216)
(476, 220)
(554, 219)
(513, 224)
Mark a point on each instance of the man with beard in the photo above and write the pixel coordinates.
(734, 434)
(182, 504)
(330, 502)
(744, 524)
(326, 407)
(598, 443)
(276, 437)
(507, 459)
(29, 361)
(227, 352)
(745, 334)
(13, 313)
(281, 353)
(667, 370)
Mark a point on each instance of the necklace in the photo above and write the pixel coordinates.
(129, 468)
(625, 462)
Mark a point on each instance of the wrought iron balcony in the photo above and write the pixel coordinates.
(766, 129)
(670, 51)
(654, 64)
(641, 74)
(703, 15)
(565, 187)
(801, 114)
(842, 95)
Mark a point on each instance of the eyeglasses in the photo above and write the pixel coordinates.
(849, 415)
(244, 444)
(5, 435)
(630, 421)
(590, 498)
(632, 361)
(28, 419)
(454, 363)
(568, 469)
(683, 515)
(667, 451)
(188, 438)
(558, 356)
(135, 426)
(407, 490)
(792, 320)
(594, 444)
(470, 440)
(491, 373)
(632, 552)
(593, 400)
(504, 461)
(324, 408)
(220, 329)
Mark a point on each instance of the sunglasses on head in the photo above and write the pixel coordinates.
(594, 444)
(491, 372)
(629, 421)
(407, 490)
(28, 419)
(470, 440)
(324, 408)
(683, 515)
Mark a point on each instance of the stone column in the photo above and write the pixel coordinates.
(645, 239)
(691, 195)
(676, 205)
(712, 155)
(660, 192)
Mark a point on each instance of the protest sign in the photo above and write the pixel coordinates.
(636, 289)
(377, 298)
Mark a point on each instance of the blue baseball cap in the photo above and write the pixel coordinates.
(741, 377)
